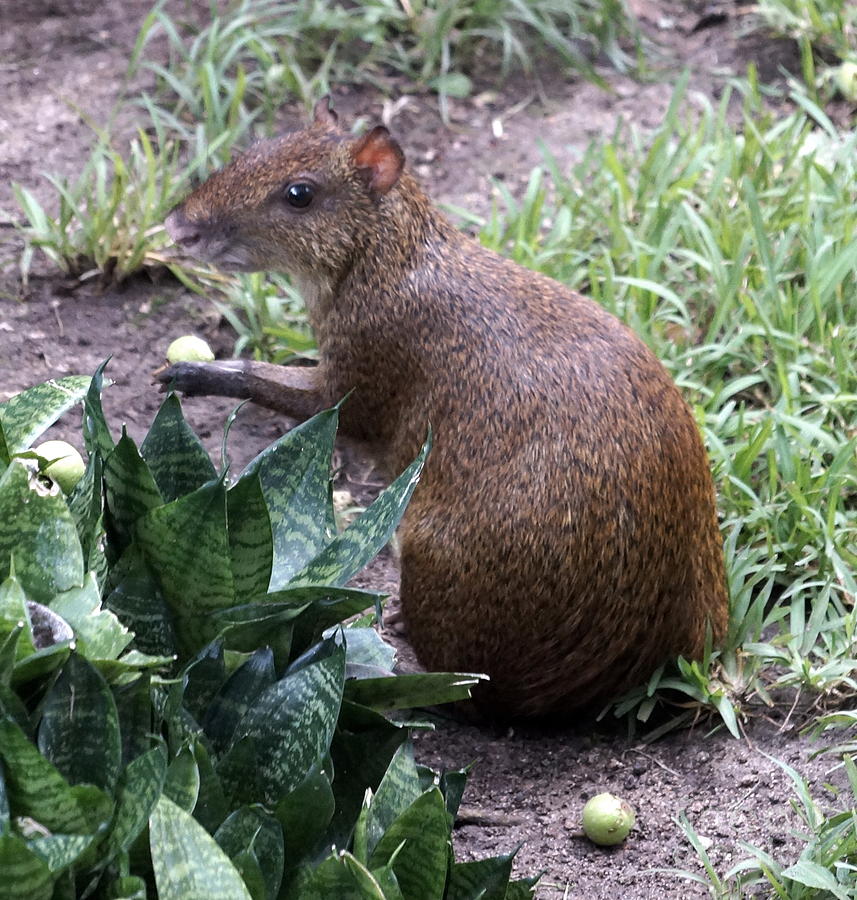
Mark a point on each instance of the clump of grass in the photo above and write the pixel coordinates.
(733, 253)
(828, 26)
(109, 220)
(268, 315)
(825, 867)
(268, 50)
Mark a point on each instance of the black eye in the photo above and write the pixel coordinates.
(300, 194)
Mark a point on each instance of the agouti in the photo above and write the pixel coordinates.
(563, 538)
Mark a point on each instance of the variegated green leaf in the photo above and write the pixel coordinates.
(187, 862)
(128, 888)
(251, 542)
(42, 662)
(252, 835)
(186, 545)
(182, 781)
(522, 889)
(96, 434)
(60, 851)
(26, 415)
(139, 789)
(130, 487)
(416, 845)
(295, 477)
(86, 504)
(174, 454)
(203, 677)
(305, 813)
(211, 804)
(4, 801)
(386, 878)
(292, 722)
(25, 875)
(399, 788)
(247, 866)
(330, 606)
(13, 611)
(138, 602)
(409, 691)
(452, 784)
(238, 772)
(79, 729)
(99, 633)
(365, 647)
(36, 526)
(34, 786)
(364, 745)
(4, 449)
(483, 879)
(340, 875)
(246, 627)
(361, 542)
(236, 696)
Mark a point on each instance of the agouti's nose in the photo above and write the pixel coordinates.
(183, 232)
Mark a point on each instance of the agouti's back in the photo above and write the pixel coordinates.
(564, 537)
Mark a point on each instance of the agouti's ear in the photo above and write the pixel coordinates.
(323, 114)
(379, 159)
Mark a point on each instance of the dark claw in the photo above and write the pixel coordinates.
(225, 379)
(184, 376)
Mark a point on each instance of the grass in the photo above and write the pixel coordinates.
(826, 34)
(109, 220)
(271, 50)
(829, 26)
(268, 315)
(824, 869)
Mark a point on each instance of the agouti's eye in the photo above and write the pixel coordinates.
(299, 194)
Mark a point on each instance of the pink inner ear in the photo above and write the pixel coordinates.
(381, 158)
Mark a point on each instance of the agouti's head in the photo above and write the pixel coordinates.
(302, 203)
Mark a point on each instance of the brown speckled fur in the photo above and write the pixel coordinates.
(564, 537)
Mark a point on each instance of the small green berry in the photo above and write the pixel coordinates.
(189, 348)
(845, 76)
(607, 820)
(67, 467)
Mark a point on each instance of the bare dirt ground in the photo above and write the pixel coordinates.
(63, 62)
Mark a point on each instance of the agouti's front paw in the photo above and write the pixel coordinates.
(394, 620)
(203, 378)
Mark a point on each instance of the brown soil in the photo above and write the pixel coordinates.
(62, 61)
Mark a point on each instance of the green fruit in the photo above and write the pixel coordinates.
(607, 819)
(64, 464)
(189, 348)
(845, 76)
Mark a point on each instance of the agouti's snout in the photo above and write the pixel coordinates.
(183, 232)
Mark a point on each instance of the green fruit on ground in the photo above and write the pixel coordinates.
(64, 464)
(845, 76)
(189, 348)
(607, 820)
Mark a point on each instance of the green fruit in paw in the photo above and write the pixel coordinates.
(607, 819)
(845, 76)
(67, 467)
(189, 348)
